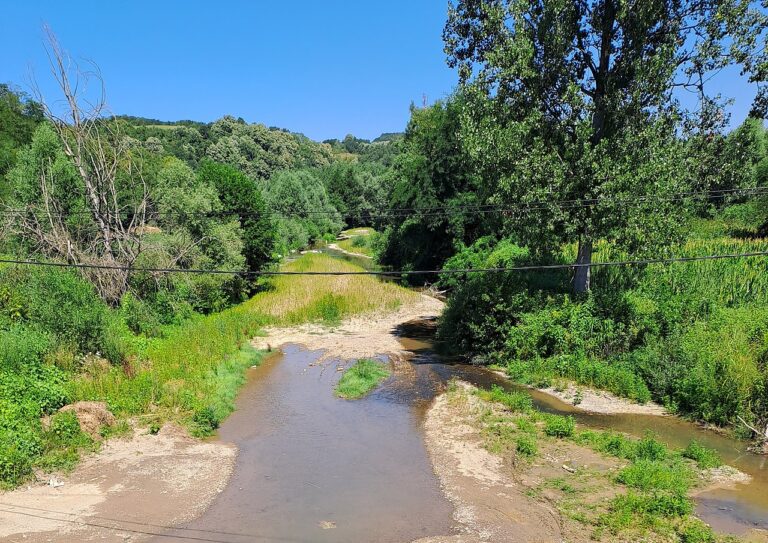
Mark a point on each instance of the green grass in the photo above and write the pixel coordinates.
(647, 493)
(361, 378)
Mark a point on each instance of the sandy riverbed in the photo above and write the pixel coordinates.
(130, 489)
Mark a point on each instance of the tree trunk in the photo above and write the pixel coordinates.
(583, 270)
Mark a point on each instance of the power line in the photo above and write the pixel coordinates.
(268, 273)
(430, 211)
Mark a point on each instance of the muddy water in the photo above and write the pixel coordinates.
(316, 468)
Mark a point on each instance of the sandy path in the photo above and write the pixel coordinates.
(131, 489)
(336, 247)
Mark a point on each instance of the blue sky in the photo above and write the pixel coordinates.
(325, 68)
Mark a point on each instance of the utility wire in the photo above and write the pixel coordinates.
(433, 211)
(267, 273)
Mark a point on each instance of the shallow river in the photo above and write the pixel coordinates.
(315, 468)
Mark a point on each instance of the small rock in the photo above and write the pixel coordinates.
(327, 525)
(54, 482)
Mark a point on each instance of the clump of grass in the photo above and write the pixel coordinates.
(361, 378)
(696, 531)
(652, 475)
(641, 511)
(519, 402)
(559, 426)
(704, 457)
(526, 446)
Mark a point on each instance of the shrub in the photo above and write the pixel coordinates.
(61, 304)
(206, 421)
(703, 456)
(559, 426)
(648, 448)
(526, 446)
(656, 475)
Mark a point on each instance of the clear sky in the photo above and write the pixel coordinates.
(325, 68)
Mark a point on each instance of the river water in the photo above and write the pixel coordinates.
(316, 468)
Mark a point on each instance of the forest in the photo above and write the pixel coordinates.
(542, 166)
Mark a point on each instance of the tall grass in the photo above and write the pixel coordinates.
(193, 373)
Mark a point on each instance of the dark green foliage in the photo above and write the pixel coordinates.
(241, 199)
(307, 213)
(19, 116)
(206, 421)
(357, 191)
(559, 426)
(432, 171)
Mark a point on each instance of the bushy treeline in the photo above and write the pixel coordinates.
(226, 196)
(693, 336)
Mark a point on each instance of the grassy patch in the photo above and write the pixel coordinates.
(191, 374)
(646, 497)
(705, 458)
(361, 378)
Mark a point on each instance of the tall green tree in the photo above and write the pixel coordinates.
(575, 100)
(433, 180)
(241, 198)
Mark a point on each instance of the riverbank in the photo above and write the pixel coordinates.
(133, 488)
(187, 380)
(514, 474)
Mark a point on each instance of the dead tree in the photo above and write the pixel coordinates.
(91, 140)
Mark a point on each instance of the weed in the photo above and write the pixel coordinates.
(361, 378)
(705, 458)
(559, 426)
(526, 446)
(514, 401)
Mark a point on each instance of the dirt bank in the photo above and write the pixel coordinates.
(599, 401)
(132, 489)
(491, 498)
(358, 337)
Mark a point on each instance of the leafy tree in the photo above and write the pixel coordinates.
(357, 191)
(433, 171)
(19, 116)
(303, 208)
(565, 93)
(241, 198)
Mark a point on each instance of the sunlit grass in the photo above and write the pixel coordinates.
(194, 372)
(298, 299)
(361, 378)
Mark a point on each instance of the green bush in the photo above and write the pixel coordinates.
(704, 457)
(61, 304)
(694, 530)
(651, 475)
(206, 421)
(559, 426)
(526, 446)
